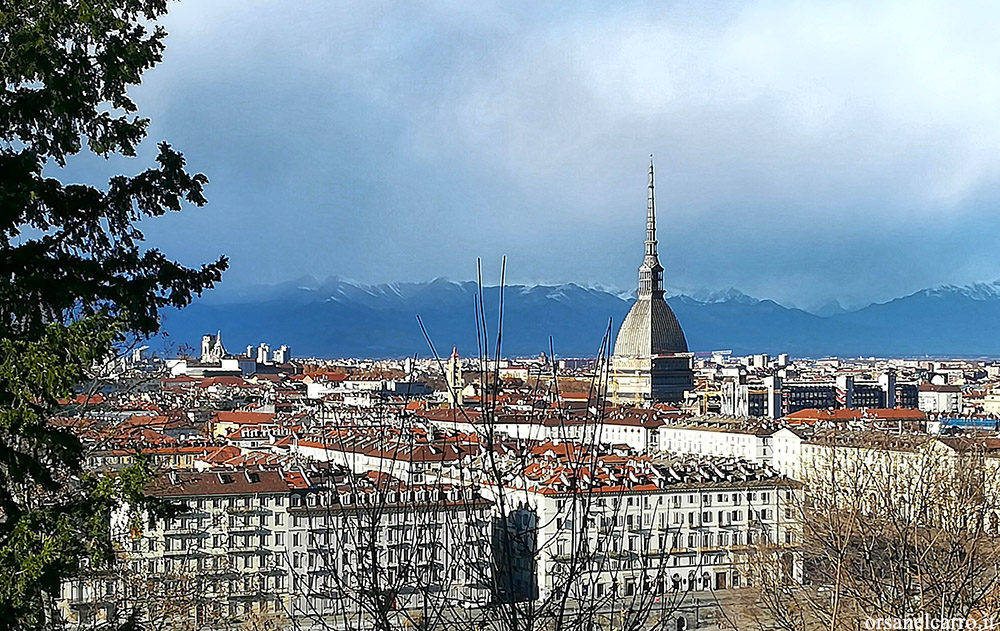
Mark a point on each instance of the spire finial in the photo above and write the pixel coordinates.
(651, 215)
(651, 273)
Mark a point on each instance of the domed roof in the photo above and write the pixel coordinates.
(649, 329)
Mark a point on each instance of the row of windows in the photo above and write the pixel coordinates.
(268, 520)
(691, 581)
(705, 499)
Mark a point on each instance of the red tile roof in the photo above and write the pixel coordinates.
(83, 399)
(217, 482)
(233, 382)
(930, 387)
(245, 418)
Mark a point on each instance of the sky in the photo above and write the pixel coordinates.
(804, 151)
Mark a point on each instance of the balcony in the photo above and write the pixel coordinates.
(248, 510)
(250, 529)
(185, 552)
(198, 513)
(197, 533)
(712, 549)
(680, 551)
(254, 549)
(248, 594)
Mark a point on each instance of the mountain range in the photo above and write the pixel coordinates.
(340, 318)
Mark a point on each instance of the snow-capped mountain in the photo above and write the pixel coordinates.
(716, 296)
(973, 291)
(338, 317)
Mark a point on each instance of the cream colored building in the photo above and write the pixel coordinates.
(679, 526)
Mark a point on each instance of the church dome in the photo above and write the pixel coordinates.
(649, 329)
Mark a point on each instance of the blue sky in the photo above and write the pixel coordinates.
(805, 151)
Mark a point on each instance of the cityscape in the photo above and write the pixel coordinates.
(545, 451)
(648, 487)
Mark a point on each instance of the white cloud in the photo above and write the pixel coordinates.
(841, 137)
(895, 101)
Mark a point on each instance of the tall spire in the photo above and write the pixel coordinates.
(651, 272)
(651, 215)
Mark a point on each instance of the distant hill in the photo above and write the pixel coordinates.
(339, 318)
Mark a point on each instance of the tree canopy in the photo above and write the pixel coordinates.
(75, 279)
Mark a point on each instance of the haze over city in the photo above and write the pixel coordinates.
(805, 153)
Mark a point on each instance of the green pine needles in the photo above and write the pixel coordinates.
(75, 280)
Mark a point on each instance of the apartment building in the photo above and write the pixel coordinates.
(638, 428)
(403, 452)
(264, 544)
(719, 437)
(222, 557)
(940, 399)
(400, 547)
(542, 425)
(630, 528)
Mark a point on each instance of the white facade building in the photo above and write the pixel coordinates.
(939, 399)
(672, 530)
(265, 545)
(717, 440)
